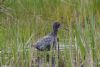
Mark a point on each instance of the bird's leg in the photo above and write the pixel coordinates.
(38, 60)
(53, 61)
(58, 47)
(55, 44)
(47, 57)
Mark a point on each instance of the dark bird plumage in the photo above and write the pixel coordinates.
(48, 40)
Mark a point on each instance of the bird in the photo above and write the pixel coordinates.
(45, 43)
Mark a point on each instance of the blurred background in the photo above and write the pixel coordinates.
(22, 22)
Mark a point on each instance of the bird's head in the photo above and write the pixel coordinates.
(56, 25)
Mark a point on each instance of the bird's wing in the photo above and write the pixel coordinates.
(41, 44)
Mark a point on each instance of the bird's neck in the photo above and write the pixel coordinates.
(54, 33)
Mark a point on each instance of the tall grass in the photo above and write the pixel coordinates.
(23, 22)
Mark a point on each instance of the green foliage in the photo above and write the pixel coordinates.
(22, 22)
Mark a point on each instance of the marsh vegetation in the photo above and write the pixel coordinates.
(22, 22)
